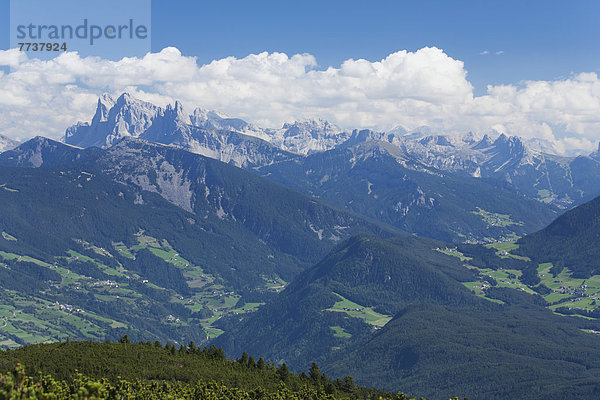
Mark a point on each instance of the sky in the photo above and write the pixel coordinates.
(528, 68)
(539, 39)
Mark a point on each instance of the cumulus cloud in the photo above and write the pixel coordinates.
(425, 87)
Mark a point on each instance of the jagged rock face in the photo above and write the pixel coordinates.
(113, 121)
(561, 181)
(205, 132)
(214, 120)
(135, 163)
(7, 143)
(309, 136)
(528, 167)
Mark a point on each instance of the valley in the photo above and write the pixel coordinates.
(36, 319)
(563, 293)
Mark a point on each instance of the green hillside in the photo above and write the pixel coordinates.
(86, 257)
(348, 296)
(521, 351)
(468, 322)
(571, 241)
(149, 370)
(375, 180)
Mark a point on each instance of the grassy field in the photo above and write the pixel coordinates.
(367, 314)
(507, 278)
(478, 287)
(23, 258)
(8, 237)
(33, 320)
(454, 253)
(340, 332)
(503, 250)
(122, 249)
(545, 196)
(213, 332)
(566, 291)
(74, 256)
(496, 219)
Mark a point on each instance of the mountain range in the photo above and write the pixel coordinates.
(442, 265)
(152, 224)
(7, 143)
(533, 169)
(512, 189)
(374, 178)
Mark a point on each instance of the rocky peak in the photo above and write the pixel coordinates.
(201, 115)
(596, 154)
(105, 103)
(177, 113)
(513, 143)
(363, 135)
(40, 151)
(438, 140)
(484, 143)
(7, 143)
(315, 128)
(398, 131)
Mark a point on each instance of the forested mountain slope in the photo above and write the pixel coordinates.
(147, 238)
(403, 307)
(571, 241)
(378, 180)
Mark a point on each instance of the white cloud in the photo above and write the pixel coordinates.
(484, 53)
(426, 87)
(499, 52)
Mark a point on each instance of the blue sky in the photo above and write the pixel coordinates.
(525, 68)
(541, 40)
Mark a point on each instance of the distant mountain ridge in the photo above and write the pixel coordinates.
(7, 143)
(205, 187)
(204, 132)
(379, 180)
(226, 141)
(416, 181)
(533, 168)
(549, 178)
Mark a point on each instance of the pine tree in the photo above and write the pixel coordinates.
(243, 360)
(315, 373)
(348, 385)
(283, 372)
